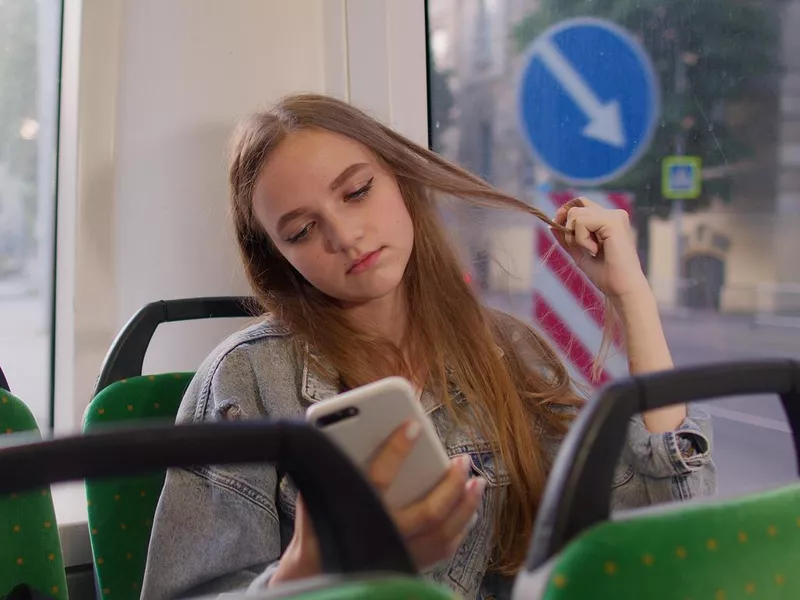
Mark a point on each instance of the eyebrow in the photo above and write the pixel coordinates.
(342, 177)
(289, 216)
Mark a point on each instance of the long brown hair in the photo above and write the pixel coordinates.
(509, 403)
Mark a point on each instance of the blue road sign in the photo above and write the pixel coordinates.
(681, 177)
(588, 100)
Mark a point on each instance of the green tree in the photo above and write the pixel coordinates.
(729, 48)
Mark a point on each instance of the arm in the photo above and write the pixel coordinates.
(647, 350)
(655, 466)
(669, 448)
(601, 243)
(216, 528)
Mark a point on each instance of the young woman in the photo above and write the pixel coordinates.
(338, 226)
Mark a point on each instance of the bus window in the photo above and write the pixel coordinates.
(686, 115)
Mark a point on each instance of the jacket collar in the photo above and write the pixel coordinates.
(316, 388)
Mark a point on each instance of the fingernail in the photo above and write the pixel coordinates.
(465, 463)
(478, 486)
(413, 430)
(472, 521)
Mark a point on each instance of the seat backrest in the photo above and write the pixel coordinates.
(121, 510)
(741, 548)
(30, 548)
(3, 381)
(357, 538)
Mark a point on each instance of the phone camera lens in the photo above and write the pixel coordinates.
(340, 415)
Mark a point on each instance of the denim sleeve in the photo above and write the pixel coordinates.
(685, 451)
(216, 527)
(260, 583)
(671, 466)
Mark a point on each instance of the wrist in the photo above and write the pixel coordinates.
(635, 300)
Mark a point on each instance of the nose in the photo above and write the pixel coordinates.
(343, 232)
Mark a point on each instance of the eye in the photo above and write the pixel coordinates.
(301, 235)
(361, 192)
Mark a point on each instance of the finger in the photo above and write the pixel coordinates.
(302, 521)
(434, 508)
(564, 240)
(575, 252)
(561, 238)
(601, 222)
(585, 202)
(390, 457)
(583, 238)
(561, 213)
(574, 220)
(300, 510)
(460, 518)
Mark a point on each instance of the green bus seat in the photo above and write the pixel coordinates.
(30, 548)
(717, 550)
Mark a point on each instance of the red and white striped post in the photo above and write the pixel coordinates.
(567, 309)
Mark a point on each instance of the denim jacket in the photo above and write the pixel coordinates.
(223, 528)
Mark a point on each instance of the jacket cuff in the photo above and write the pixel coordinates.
(680, 452)
(260, 583)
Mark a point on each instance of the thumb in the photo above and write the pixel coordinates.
(576, 253)
(302, 520)
(582, 258)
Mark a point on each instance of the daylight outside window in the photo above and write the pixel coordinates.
(29, 83)
(686, 114)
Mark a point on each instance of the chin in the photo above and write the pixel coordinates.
(370, 291)
(368, 296)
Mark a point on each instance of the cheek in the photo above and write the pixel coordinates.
(315, 265)
(406, 228)
(305, 260)
(400, 224)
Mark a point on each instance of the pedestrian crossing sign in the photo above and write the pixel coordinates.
(681, 177)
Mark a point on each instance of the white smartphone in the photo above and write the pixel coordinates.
(361, 420)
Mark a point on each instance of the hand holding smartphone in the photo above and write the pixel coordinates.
(362, 420)
(385, 431)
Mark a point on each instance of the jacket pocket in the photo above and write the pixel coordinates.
(486, 465)
(622, 474)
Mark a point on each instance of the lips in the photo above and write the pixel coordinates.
(364, 262)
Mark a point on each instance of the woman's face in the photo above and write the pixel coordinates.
(336, 214)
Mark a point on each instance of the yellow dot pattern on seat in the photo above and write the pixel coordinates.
(30, 549)
(742, 548)
(121, 510)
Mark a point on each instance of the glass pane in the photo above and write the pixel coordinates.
(549, 99)
(29, 83)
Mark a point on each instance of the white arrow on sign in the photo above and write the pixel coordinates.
(605, 120)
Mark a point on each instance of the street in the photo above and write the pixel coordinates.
(753, 446)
